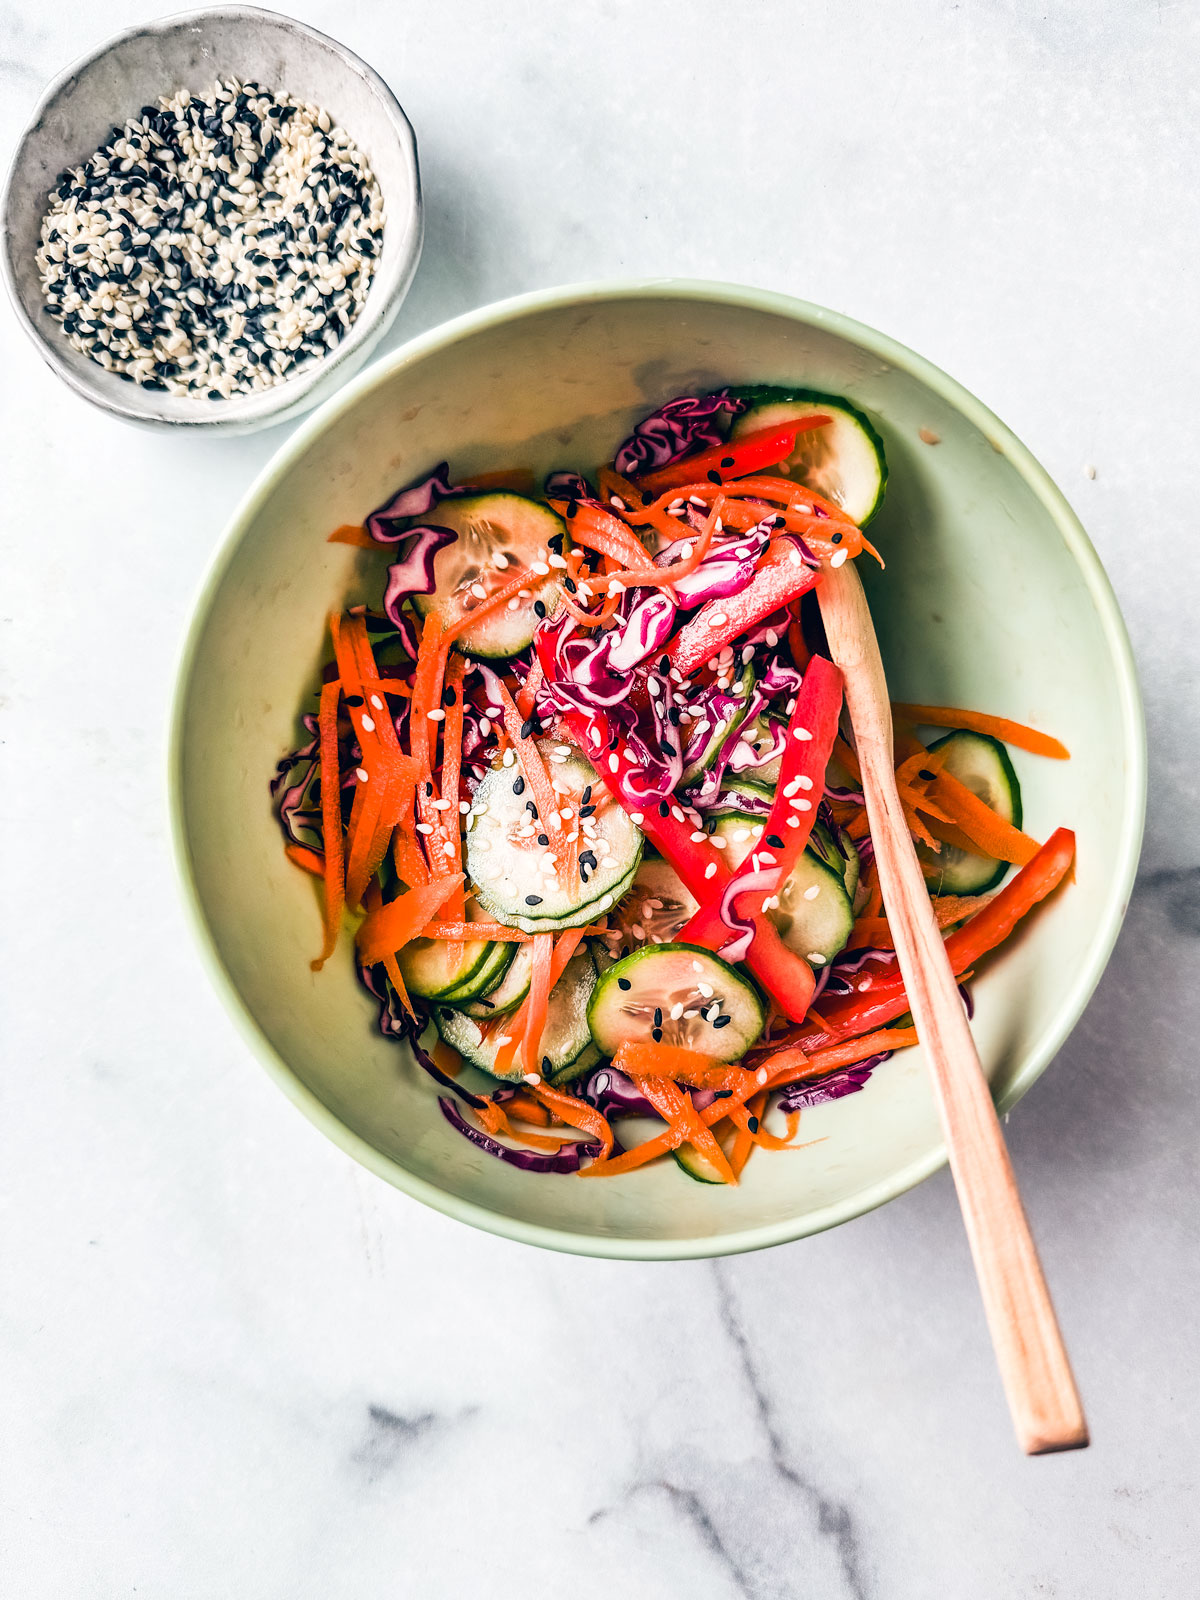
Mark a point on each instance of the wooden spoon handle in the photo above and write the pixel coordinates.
(1042, 1397)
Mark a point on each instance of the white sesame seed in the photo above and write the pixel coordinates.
(499, 560)
(361, 774)
(817, 959)
(637, 818)
(802, 734)
(437, 715)
(424, 827)
(803, 781)
(710, 870)
(556, 561)
(613, 763)
(838, 558)
(706, 989)
(531, 1077)
(368, 723)
(540, 567)
(448, 848)
(718, 619)
(812, 892)
(442, 805)
(676, 1011)
(760, 1077)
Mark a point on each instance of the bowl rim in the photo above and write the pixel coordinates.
(275, 405)
(1130, 713)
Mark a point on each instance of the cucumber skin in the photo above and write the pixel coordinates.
(783, 394)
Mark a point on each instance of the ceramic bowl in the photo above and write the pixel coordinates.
(76, 116)
(992, 598)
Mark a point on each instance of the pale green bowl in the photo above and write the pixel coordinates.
(993, 598)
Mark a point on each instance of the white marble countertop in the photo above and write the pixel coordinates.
(232, 1364)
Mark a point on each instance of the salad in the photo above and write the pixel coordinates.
(583, 785)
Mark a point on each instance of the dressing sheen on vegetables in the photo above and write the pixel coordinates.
(577, 784)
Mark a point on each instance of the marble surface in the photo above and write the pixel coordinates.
(231, 1364)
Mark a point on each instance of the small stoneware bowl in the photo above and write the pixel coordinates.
(992, 598)
(76, 116)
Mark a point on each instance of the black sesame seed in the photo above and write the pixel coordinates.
(586, 811)
(927, 775)
(674, 716)
(555, 543)
(722, 1094)
(531, 808)
(547, 1066)
(624, 983)
(527, 727)
(779, 522)
(752, 1124)
(656, 1035)
(543, 838)
(664, 664)
(539, 608)
(586, 795)
(519, 786)
(569, 586)
(428, 789)
(713, 477)
(658, 1016)
(722, 1022)
(664, 809)
(355, 700)
(533, 899)
(449, 697)
(835, 538)
(775, 841)
(727, 461)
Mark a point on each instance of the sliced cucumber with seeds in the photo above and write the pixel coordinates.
(815, 912)
(844, 461)
(981, 764)
(565, 1038)
(657, 904)
(499, 535)
(427, 971)
(508, 993)
(515, 875)
(815, 915)
(679, 994)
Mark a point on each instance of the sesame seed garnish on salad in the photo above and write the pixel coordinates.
(606, 853)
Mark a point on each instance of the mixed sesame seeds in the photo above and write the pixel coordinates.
(214, 243)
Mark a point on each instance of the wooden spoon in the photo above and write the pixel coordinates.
(1042, 1397)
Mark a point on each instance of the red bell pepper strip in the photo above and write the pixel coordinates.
(753, 451)
(782, 576)
(854, 1014)
(809, 743)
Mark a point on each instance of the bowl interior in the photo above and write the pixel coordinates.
(991, 599)
(191, 51)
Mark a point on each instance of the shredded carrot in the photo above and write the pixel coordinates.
(606, 534)
(988, 831)
(308, 860)
(793, 1065)
(536, 776)
(743, 1144)
(683, 1121)
(1014, 733)
(353, 533)
(528, 1109)
(578, 1114)
(331, 820)
(662, 1061)
(396, 924)
(875, 932)
(630, 1160)
(392, 967)
(516, 1026)
(498, 597)
(538, 999)
(744, 1116)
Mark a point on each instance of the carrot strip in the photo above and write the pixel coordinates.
(516, 1026)
(743, 1145)
(535, 772)
(392, 967)
(749, 1117)
(536, 1003)
(794, 1065)
(683, 1121)
(394, 925)
(630, 1160)
(604, 533)
(331, 820)
(991, 835)
(353, 533)
(578, 1114)
(304, 858)
(662, 1061)
(1014, 733)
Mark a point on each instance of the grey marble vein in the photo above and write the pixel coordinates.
(834, 1520)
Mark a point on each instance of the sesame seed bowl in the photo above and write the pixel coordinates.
(992, 597)
(212, 220)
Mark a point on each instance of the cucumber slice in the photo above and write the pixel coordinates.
(723, 731)
(759, 737)
(752, 790)
(657, 904)
(844, 461)
(815, 912)
(981, 764)
(426, 969)
(697, 1166)
(825, 848)
(505, 859)
(565, 1038)
(508, 993)
(489, 525)
(637, 996)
